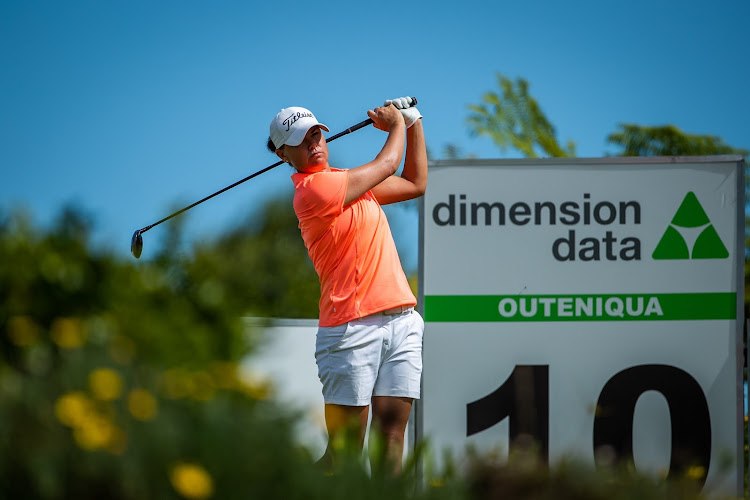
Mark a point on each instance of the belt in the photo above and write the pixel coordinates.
(395, 310)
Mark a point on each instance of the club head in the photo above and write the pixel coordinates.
(136, 244)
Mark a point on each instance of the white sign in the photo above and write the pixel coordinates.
(593, 305)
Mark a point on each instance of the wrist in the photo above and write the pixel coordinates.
(398, 124)
(415, 127)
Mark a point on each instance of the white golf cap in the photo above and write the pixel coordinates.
(290, 125)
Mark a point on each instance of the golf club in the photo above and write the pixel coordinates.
(136, 242)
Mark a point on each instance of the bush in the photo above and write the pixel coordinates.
(120, 379)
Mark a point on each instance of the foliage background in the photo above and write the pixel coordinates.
(121, 379)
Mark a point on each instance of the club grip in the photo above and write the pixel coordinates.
(413, 102)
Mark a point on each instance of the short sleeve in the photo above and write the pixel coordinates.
(320, 195)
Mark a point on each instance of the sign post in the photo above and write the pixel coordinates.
(593, 306)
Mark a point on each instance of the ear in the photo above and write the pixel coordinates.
(280, 154)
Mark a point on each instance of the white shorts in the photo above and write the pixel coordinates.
(378, 355)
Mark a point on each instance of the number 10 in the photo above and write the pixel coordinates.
(524, 399)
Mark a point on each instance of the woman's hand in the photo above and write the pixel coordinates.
(406, 106)
(385, 117)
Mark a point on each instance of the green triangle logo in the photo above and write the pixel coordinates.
(690, 213)
(709, 245)
(673, 246)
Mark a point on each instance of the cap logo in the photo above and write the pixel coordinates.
(289, 121)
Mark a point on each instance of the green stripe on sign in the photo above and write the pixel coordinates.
(619, 307)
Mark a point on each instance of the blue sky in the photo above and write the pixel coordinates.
(132, 109)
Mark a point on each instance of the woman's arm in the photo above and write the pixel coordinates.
(413, 180)
(385, 164)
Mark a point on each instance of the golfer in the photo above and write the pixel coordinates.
(369, 340)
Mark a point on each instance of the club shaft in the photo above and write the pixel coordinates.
(351, 129)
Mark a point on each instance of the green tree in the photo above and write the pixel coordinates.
(513, 118)
(262, 266)
(125, 379)
(122, 379)
(453, 152)
(667, 140)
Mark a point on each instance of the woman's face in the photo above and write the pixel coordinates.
(310, 156)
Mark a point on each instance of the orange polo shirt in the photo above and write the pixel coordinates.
(351, 248)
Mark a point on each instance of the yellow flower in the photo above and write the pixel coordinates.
(224, 374)
(68, 333)
(93, 428)
(95, 433)
(23, 331)
(696, 472)
(105, 384)
(142, 404)
(256, 386)
(73, 408)
(191, 481)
